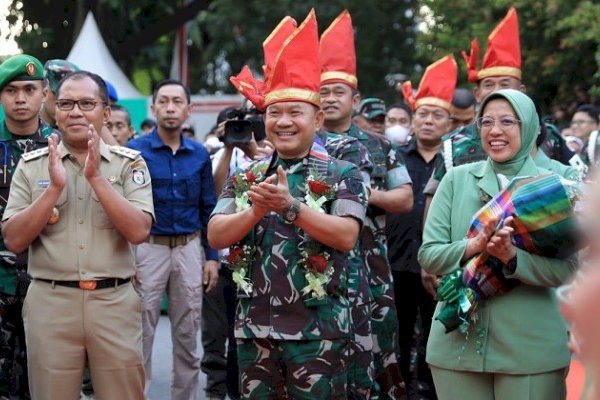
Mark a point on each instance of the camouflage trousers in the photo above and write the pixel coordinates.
(360, 354)
(13, 356)
(384, 323)
(292, 369)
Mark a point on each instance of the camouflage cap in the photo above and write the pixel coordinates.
(21, 67)
(371, 107)
(55, 70)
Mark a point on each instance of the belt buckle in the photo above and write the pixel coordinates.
(87, 285)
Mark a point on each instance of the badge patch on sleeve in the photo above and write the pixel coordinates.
(138, 176)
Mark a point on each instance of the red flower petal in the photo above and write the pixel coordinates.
(318, 187)
(318, 263)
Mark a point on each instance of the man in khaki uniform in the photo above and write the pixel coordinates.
(78, 206)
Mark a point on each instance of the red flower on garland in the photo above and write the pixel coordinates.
(317, 262)
(250, 177)
(318, 187)
(235, 255)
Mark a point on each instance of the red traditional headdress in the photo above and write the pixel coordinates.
(503, 55)
(338, 56)
(437, 85)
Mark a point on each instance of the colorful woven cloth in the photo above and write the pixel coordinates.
(544, 224)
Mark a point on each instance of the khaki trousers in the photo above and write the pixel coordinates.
(177, 270)
(466, 385)
(64, 325)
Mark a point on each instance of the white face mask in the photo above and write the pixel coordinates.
(397, 134)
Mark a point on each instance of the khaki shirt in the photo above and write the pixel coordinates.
(83, 244)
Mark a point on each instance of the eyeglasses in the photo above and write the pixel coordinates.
(83, 104)
(505, 122)
(581, 122)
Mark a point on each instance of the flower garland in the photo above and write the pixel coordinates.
(243, 181)
(240, 259)
(319, 192)
(317, 262)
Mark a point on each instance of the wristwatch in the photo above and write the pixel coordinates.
(291, 211)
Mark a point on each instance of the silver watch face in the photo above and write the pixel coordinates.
(291, 215)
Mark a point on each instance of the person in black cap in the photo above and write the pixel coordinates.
(370, 115)
(21, 95)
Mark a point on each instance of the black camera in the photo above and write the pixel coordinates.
(242, 124)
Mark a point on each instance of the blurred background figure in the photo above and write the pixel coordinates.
(370, 115)
(54, 71)
(119, 124)
(584, 125)
(462, 112)
(113, 96)
(574, 143)
(189, 131)
(147, 126)
(397, 123)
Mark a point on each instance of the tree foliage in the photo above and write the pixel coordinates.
(559, 40)
(224, 35)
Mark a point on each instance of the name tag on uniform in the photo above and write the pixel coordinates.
(43, 183)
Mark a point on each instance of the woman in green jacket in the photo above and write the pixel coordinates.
(515, 347)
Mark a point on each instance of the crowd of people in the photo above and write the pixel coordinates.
(323, 244)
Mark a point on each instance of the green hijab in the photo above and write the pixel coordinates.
(530, 128)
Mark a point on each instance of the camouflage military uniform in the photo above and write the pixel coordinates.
(291, 345)
(360, 350)
(464, 146)
(13, 272)
(388, 173)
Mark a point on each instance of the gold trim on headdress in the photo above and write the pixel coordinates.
(432, 101)
(499, 71)
(330, 75)
(293, 94)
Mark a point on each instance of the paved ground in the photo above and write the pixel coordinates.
(162, 363)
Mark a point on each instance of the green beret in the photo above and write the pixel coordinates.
(21, 67)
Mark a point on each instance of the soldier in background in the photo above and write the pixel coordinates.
(22, 88)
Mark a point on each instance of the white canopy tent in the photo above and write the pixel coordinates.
(90, 53)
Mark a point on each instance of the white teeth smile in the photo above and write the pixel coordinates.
(285, 133)
(498, 143)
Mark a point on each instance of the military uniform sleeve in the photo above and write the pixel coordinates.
(226, 202)
(397, 174)
(137, 187)
(20, 193)
(351, 195)
(208, 200)
(438, 254)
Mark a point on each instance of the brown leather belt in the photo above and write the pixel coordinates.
(89, 285)
(172, 240)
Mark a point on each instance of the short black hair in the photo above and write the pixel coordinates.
(402, 106)
(166, 82)
(148, 123)
(463, 98)
(117, 107)
(590, 110)
(79, 75)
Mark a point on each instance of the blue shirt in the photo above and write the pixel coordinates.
(182, 186)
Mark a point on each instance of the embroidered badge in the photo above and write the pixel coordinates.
(112, 179)
(54, 216)
(138, 176)
(43, 183)
(30, 69)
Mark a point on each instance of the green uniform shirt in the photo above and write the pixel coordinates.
(11, 149)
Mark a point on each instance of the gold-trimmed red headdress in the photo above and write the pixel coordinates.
(338, 55)
(503, 54)
(436, 87)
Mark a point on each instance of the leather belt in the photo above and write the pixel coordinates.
(172, 240)
(89, 285)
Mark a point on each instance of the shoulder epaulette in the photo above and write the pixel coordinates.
(125, 151)
(32, 155)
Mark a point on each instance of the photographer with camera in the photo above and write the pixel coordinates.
(242, 131)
